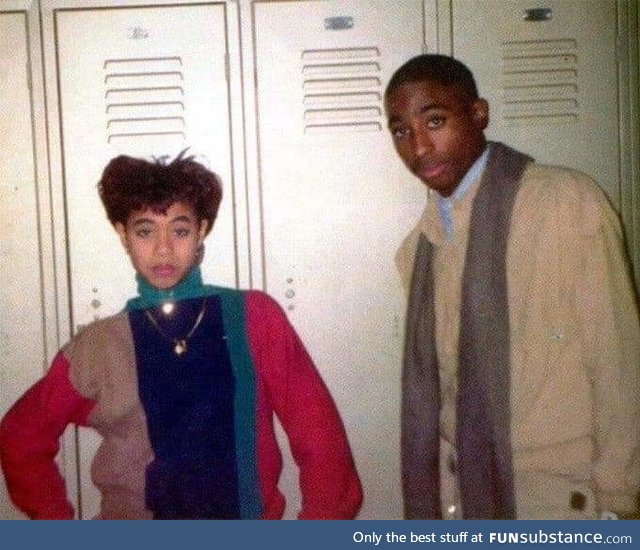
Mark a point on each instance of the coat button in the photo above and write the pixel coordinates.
(577, 501)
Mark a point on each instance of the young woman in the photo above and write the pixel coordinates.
(183, 384)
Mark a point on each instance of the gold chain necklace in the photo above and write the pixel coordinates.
(179, 344)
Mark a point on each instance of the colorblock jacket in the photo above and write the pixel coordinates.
(184, 436)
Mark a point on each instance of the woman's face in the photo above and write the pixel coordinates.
(163, 247)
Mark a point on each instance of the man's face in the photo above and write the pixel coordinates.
(437, 130)
(163, 247)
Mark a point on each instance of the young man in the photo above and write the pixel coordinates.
(182, 385)
(521, 386)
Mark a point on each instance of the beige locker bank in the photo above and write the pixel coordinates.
(283, 99)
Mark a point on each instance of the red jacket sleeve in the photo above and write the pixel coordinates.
(29, 442)
(329, 483)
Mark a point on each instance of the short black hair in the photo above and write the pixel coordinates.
(131, 184)
(442, 69)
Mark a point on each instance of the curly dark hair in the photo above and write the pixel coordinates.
(131, 184)
(442, 69)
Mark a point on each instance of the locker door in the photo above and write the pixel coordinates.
(336, 203)
(145, 82)
(22, 339)
(549, 73)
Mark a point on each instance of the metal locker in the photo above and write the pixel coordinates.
(335, 205)
(549, 72)
(143, 81)
(22, 332)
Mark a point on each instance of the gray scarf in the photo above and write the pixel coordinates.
(483, 438)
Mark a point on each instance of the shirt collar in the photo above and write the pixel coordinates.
(445, 204)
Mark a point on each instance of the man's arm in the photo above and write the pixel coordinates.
(608, 310)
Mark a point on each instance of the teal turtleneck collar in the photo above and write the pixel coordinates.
(149, 296)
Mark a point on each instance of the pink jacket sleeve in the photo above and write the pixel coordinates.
(329, 483)
(29, 442)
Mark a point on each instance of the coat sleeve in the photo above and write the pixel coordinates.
(608, 311)
(29, 441)
(329, 483)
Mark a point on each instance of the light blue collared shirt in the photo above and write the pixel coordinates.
(445, 204)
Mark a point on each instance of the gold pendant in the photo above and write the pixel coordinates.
(180, 347)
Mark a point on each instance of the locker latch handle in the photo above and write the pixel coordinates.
(537, 14)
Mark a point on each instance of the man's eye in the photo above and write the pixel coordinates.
(182, 232)
(399, 132)
(143, 232)
(435, 121)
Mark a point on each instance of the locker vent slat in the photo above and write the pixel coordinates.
(540, 80)
(342, 90)
(144, 98)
